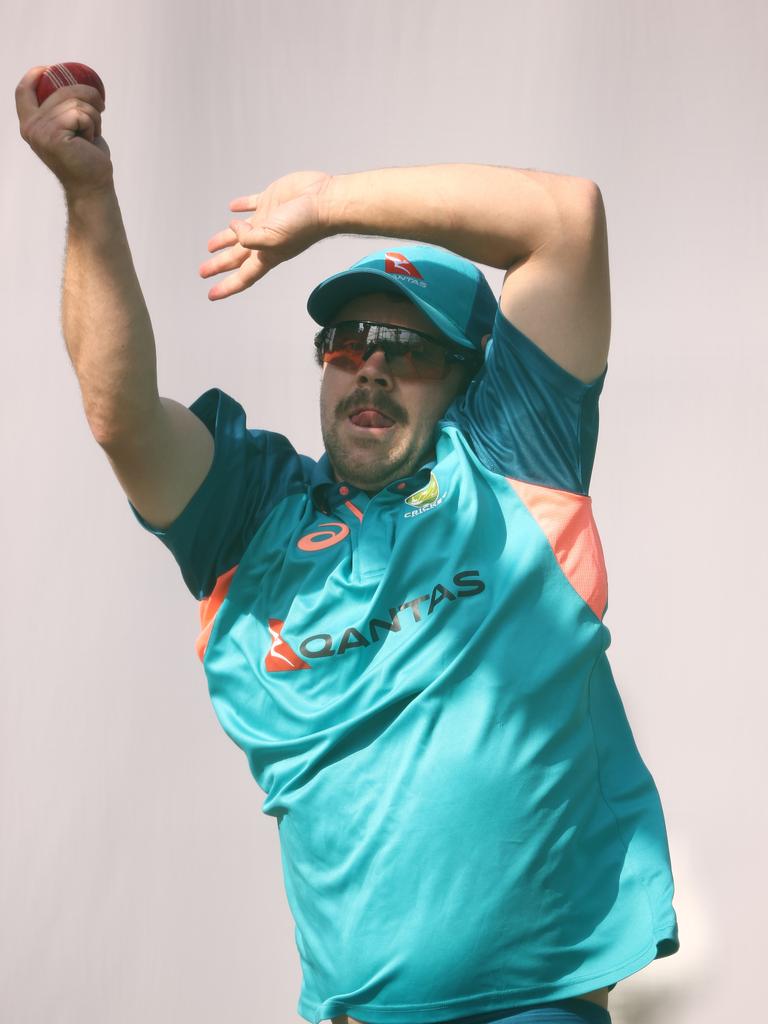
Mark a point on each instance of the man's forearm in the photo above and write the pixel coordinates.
(105, 320)
(493, 215)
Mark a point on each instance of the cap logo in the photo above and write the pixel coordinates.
(396, 263)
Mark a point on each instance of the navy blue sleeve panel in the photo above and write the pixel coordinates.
(252, 471)
(528, 418)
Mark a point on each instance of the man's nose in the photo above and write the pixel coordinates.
(375, 370)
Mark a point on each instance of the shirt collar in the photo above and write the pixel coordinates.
(326, 492)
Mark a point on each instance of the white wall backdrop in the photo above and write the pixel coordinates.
(138, 879)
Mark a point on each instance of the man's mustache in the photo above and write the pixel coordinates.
(362, 399)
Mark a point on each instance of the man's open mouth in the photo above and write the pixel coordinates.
(370, 418)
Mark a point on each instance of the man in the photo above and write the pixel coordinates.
(406, 637)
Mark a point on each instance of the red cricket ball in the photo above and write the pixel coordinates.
(58, 75)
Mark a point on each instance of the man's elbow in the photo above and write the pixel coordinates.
(579, 223)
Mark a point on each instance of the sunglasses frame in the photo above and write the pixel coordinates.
(362, 328)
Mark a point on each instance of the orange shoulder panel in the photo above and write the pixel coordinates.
(209, 607)
(569, 526)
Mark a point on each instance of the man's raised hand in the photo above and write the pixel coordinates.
(65, 133)
(286, 218)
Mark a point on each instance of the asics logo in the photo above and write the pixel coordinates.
(328, 535)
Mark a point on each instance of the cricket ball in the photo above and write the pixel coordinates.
(58, 75)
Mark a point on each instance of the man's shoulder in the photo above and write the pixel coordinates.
(265, 450)
(526, 417)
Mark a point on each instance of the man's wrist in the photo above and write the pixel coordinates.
(334, 205)
(90, 200)
(423, 203)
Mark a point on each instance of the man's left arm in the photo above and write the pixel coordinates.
(546, 230)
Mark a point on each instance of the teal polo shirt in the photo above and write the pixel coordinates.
(419, 682)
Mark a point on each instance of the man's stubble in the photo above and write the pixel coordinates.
(370, 463)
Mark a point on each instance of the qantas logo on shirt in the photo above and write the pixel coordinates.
(282, 658)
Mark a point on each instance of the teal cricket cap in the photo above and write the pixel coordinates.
(450, 290)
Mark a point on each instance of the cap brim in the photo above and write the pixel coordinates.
(336, 291)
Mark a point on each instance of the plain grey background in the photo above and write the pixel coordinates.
(138, 879)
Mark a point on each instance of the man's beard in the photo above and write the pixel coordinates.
(369, 465)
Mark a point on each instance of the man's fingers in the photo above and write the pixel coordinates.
(83, 120)
(251, 271)
(224, 289)
(244, 203)
(88, 125)
(239, 231)
(229, 260)
(231, 285)
(89, 93)
(222, 240)
(26, 95)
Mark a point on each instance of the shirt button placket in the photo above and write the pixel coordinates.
(377, 533)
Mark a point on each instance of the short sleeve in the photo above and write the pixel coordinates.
(528, 418)
(252, 471)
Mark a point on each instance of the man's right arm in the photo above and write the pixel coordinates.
(159, 450)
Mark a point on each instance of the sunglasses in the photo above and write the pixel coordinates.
(410, 354)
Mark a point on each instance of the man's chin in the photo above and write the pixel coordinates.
(368, 468)
(369, 475)
(371, 460)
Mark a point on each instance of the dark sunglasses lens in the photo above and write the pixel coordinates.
(407, 353)
(348, 357)
(424, 361)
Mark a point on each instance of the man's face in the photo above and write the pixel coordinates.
(370, 456)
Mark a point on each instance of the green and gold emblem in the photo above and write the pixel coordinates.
(426, 495)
